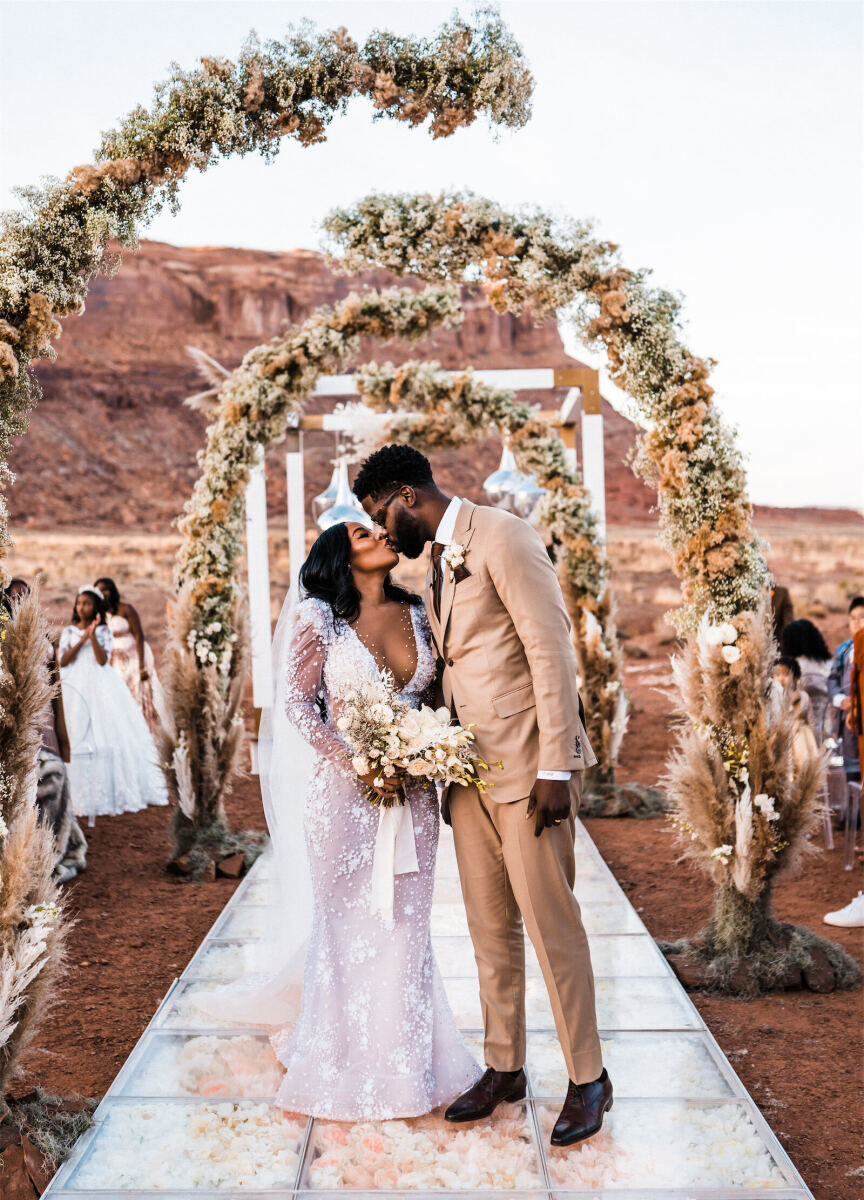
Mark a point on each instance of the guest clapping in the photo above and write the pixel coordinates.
(114, 765)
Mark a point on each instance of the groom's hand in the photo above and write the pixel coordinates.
(550, 801)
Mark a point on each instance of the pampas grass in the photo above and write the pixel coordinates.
(744, 812)
(31, 929)
(201, 741)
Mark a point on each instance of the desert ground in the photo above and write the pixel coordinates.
(136, 927)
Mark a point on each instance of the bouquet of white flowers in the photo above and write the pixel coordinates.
(387, 735)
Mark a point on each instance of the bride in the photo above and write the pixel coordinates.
(375, 1038)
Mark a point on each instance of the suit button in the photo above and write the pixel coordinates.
(449, 662)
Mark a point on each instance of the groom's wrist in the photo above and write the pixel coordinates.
(564, 775)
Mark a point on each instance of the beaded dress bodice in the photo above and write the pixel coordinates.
(328, 658)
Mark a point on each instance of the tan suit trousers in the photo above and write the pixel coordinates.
(508, 875)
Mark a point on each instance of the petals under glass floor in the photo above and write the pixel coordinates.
(189, 1111)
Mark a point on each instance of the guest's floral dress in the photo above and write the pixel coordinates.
(376, 1037)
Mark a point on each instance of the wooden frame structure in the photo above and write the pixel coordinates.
(583, 398)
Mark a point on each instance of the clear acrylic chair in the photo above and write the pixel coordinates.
(850, 832)
(834, 798)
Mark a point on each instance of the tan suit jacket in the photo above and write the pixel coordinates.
(508, 663)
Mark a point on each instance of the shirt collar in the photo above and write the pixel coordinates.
(447, 527)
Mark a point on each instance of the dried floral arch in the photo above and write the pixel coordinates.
(743, 807)
(58, 241)
(250, 409)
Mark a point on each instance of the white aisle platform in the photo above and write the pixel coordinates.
(189, 1112)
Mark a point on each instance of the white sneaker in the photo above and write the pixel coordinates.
(851, 917)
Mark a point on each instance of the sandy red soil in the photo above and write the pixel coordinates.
(136, 927)
(798, 1054)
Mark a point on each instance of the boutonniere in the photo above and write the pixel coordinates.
(454, 556)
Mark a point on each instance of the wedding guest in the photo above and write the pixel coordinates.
(131, 654)
(53, 794)
(840, 691)
(17, 588)
(803, 641)
(782, 610)
(787, 674)
(852, 915)
(114, 765)
(14, 590)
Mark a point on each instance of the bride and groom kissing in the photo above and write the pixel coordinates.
(375, 1037)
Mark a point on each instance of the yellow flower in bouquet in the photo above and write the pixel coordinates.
(385, 734)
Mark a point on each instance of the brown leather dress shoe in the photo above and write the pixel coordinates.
(490, 1090)
(582, 1114)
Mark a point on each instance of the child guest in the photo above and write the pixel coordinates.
(114, 765)
(787, 674)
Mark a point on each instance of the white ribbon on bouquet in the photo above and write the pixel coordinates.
(395, 854)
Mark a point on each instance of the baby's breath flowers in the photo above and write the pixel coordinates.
(206, 660)
(734, 739)
(57, 240)
(531, 260)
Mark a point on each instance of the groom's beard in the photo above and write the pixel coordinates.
(408, 538)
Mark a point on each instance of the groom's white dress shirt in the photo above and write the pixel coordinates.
(444, 537)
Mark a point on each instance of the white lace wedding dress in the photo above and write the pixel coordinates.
(376, 1038)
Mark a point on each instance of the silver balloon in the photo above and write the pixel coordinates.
(524, 498)
(346, 506)
(326, 499)
(501, 484)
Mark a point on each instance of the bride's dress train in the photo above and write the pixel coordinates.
(375, 1038)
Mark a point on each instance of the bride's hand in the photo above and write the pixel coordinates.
(383, 783)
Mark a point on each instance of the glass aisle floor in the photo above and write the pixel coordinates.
(189, 1112)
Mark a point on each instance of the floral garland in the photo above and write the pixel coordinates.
(733, 740)
(531, 260)
(253, 408)
(455, 410)
(58, 241)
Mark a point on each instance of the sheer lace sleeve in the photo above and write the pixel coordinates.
(307, 652)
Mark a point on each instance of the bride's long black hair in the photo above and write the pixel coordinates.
(326, 574)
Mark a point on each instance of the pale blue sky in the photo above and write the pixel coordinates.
(717, 142)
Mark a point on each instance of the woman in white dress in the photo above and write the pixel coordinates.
(114, 767)
(376, 1038)
(131, 655)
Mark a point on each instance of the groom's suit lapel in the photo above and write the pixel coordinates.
(462, 535)
(430, 607)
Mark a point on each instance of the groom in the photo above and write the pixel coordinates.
(509, 669)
